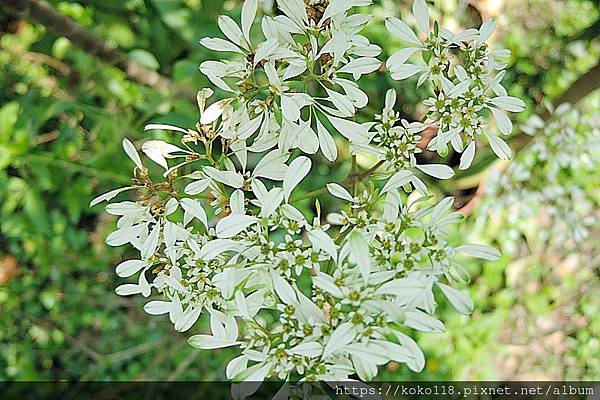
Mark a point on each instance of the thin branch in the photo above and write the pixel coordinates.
(584, 85)
(75, 167)
(41, 12)
(352, 177)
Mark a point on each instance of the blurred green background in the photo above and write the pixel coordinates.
(64, 112)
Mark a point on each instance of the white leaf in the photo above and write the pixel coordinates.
(216, 247)
(307, 141)
(229, 178)
(284, 290)
(174, 283)
(265, 50)
(421, 15)
(343, 104)
(508, 103)
(326, 142)
(217, 44)
(308, 349)
(353, 131)
(233, 224)
(441, 208)
(236, 202)
(290, 110)
(197, 187)
(195, 209)
(248, 14)
(399, 179)
(208, 342)
(480, 251)
(158, 151)
(391, 207)
(499, 146)
(337, 7)
(459, 300)
(365, 367)
(272, 166)
(439, 171)
(359, 249)
(236, 366)
(360, 66)
(403, 31)
(326, 283)
(123, 235)
(418, 362)
(170, 232)
(399, 58)
(502, 120)
(231, 30)
(188, 319)
(158, 307)
(248, 128)
(163, 127)
(423, 322)
(271, 201)
(108, 196)
(393, 351)
(252, 378)
(132, 153)
(322, 241)
(353, 91)
(213, 112)
(151, 242)
(297, 170)
(339, 192)
(125, 208)
(340, 337)
(486, 30)
(129, 267)
(288, 136)
(466, 159)
(410, 292)
(405, 71)
(128, 289)
(295, 10)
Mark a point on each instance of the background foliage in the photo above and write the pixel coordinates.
(63, 115)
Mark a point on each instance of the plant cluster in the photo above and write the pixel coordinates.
(326, 298)
(548, 180)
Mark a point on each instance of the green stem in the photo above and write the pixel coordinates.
(75, 167)
(351, 176)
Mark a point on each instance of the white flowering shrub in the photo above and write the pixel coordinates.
(219, 236)
(548, 181)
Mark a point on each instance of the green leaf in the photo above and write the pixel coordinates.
(145, 58)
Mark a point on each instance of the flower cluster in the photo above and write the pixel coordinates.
(220, 235)
(466, 77)
(548, 180)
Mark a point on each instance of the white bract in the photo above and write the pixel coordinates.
(220, 235)
(466, 77)
(563, 154)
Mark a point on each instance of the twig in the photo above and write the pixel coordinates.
(72, 166)
(42, 12)
(584, 85)
(349, 179)
(75, 341)
(369, 171)
(59, 66)
(181, 368)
